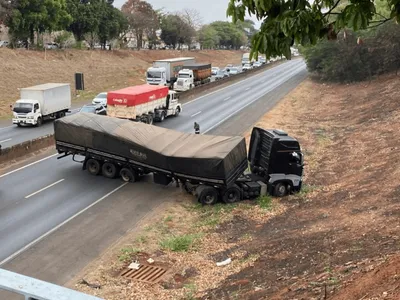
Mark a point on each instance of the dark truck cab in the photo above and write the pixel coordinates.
(277, 159)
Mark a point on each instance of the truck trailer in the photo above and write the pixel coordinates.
(210, 167)
(192, 75)
(165, 71)
(143, 103)
(41, 102)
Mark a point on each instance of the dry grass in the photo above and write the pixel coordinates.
(103, 70)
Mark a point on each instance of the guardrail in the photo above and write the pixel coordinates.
(35, 289)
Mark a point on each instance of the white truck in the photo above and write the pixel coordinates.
(193, 75)
(143, 103)
(165, 71)
(41, 102)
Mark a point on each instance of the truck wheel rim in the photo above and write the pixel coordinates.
(210, 199)
(125, 176)
(282, 189)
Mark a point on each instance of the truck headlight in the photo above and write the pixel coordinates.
(31, 117)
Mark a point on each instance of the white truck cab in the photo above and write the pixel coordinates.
(185, 80)
(172, 108)
(156, 76)
(41, 102)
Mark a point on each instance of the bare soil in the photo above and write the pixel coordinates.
(337, 239)
(103, 70)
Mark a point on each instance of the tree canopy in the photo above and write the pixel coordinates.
(176, 31)
(300, 21)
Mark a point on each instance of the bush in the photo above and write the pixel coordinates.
(344, 60)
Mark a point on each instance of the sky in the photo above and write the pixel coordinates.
(210, 10)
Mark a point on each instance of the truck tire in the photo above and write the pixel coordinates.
(39, 122)
(128, 175)
(162, 116)
(232, 195)
(93, 166)
(61, 114)
(281, 189)
(177, 111)
(207, 195)
(150, 120)
(109, 170)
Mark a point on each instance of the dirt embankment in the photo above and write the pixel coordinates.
(103, 70)
(337, 239)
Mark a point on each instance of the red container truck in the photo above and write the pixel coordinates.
(143, 103)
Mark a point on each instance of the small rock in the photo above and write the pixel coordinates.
(385, 294)
(257, 288)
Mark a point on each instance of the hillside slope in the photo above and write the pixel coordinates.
(103, 70)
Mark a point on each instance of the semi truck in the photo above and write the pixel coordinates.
(212, 168)
(165, 71)
(41, 102)
(192, 75)
(143, 103)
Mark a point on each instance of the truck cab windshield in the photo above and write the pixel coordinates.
(184, 76)
(153, 74)
(23, 108)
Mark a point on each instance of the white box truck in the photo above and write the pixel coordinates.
(41, 102)
(165, 71)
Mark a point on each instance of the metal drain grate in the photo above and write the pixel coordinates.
(146, 273)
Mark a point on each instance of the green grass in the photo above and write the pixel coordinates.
(190, 291)
(168, 219)
(265, 202)
(180, 243)
(127, 252)
(141, 239)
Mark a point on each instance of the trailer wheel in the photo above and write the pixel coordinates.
(109, 170)
(150, 120)
(281, 189)
(207, 195)
(93, 166)
(232, 195)
(128, 175)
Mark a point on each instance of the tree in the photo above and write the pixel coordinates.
(208, 37)
(37, 16)
(85, 15)
(229, 35)
(303, 22)
(142, 19)
(6, 7)
(112, 23)
(175, 31)
(191, 17)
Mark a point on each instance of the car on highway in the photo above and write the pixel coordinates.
(97, 109)
(214, 70)
(234, 71)
(257, 64)
(221, 74)
(100, 99)
(247, 67)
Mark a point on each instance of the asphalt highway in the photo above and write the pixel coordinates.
(55, 218)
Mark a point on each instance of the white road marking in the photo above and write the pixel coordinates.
(58, 226)
(45, 188)
(227, 98)
(1, 128)
(7, 140)
(31, 164)
(199, 112)
(247, 89)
